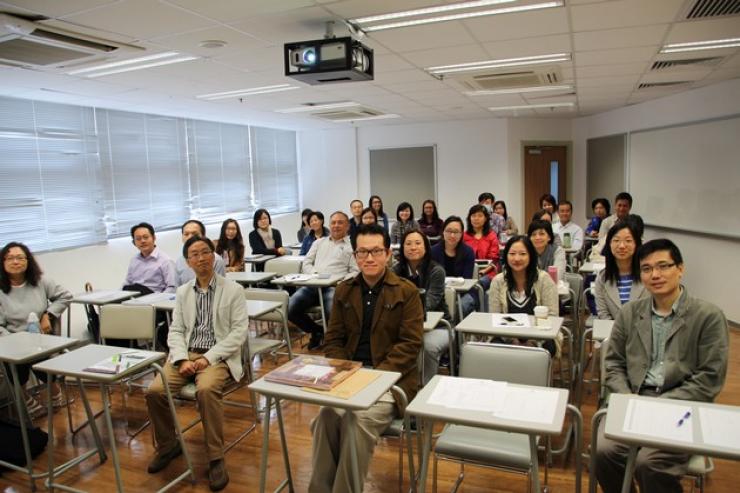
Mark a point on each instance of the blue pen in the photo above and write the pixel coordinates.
(684, 418)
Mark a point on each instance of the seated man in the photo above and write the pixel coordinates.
(328, 255)
(622, 208)
(669, 345)
(498, 223)
(377, 319)
(208, 330)
(151, 271)
(566, 228)
(183, 272)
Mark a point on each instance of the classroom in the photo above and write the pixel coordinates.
(518, 98)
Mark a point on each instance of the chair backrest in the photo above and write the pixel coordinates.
(575, 283)
(127, 322)
(284, 265)
(451, 300)
(260, 294)
(507, 363)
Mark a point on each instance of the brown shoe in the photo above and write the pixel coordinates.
(162, 459)
(218, 478)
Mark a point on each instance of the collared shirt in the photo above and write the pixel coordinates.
(498, 224)
(329, 256)
(183, 272)
(661, 326)
(576, 234)
(370, 295)
(203, 336)
(156, 272)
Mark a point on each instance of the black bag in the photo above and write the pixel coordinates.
(12, 440)
(93, 319)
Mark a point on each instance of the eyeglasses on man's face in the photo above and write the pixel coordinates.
(199, 254)
(16, 258)
(363, 253)
(661, 267)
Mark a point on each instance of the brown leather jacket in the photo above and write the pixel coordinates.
(396, 337)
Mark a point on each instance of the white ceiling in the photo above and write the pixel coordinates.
(613, 44)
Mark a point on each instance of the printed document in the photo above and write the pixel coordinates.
(659, 419)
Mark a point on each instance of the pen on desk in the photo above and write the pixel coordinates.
(684, 418)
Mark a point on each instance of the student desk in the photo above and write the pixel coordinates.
(591, 267)
(257, 259)
(429, 413)
(434, 319)
(73, 365)
(255, 308)
(21, 348)
(614, 430)
(250, 278)
(318, 281)
(463, 287)
(359, 402)
(98, 298)
(481, 323)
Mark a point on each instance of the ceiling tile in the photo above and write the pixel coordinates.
(544, 45)
(620, 38)
(234, 10)
(236, 42)
(624, 13)
(287, 27)
(446, 56)
(519, 25)
(390, 63)
(423, 37)
(620, 55)
(611, 70)
(704, 30)
(52, 8)
(615, 80)
(402, 76)
(351, 9)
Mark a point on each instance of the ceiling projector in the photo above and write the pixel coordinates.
(325, 61)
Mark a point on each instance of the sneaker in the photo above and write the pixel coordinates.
(218, 478)
(162, 459)
(315, 342)
(35, 409)
(57, 400)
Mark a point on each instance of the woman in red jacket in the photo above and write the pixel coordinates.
(483, 241)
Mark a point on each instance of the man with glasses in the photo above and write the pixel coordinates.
(206, 336)
(669, 345)
(329, 255)
(183, 272)
(377, 319)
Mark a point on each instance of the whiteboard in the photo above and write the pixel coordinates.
(687, 177)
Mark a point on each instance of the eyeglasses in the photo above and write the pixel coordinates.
(19, 258)
(452, 232)
(661, 267)
(375, 252)
(627, 242)
(200, 254)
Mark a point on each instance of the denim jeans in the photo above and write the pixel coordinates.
(304, 299)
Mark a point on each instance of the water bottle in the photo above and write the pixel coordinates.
(33, 326)
(567, 240)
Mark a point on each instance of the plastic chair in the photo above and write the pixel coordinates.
(398, 429)
(278, 316)
(284, 265)
(493, 448)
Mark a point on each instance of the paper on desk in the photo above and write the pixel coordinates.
(299, 277)
(720, 427)
(470, 394)
(519, 320)
(314, 371)
(658, 419)
(453, 281)
(529, 404)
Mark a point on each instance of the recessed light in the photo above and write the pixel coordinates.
(212, 44)
(532, 106)
(320, 106)
(169, 61)
(363, 118)
(518, 90)
(701, 45)
(121, 63)
(246, 92)
(500, 63)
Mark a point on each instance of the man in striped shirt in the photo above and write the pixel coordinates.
(208, 330)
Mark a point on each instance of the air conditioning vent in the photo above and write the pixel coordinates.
(357, 113)
(657, 85)
(706, 62)
(703, 9)
(510, 79)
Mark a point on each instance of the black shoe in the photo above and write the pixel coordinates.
(218, 478)
(162, 459)
(316, 340)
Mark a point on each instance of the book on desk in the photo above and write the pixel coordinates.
(314, 372)
(117, 363)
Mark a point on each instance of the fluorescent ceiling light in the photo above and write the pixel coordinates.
(504, 62)
(315, 107)
(122, 63)
(532, 106)
(452, 17)
(518, 90)
(140, 67)
(429, 10)
(246, 92)
(701, 45)
(363, 118)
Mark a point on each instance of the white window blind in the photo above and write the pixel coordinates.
(145, 173)
(220, 170)
(49, 167)
(275, 169)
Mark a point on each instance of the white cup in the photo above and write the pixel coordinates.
(541, 311)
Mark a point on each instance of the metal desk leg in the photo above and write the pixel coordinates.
(284, 445)
(321, 304)
(286, 331)
(111, 438)
(427, 426)
(352, 421)
(578, 417)
(535, 463)
(69, 320)
(629, 470)
(451, 337)
(265, 443)
(23, 418)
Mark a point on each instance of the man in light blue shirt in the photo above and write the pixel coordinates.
(183, 272)
(151, 268)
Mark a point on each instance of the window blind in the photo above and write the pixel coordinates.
(275, 169)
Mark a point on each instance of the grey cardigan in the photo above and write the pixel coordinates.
(15, 306)
(695, 362)
(607, 299)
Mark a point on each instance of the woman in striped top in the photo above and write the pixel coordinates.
(619, 282)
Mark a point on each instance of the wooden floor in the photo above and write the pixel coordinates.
(243, 460)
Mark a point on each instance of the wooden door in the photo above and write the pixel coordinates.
(545, 171)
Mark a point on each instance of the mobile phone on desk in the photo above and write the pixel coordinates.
(324, 276)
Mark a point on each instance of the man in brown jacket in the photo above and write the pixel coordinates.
(377, 319)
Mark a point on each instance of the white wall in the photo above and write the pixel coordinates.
(105, 265)
(712, 266)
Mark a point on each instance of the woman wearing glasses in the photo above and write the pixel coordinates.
(415, 264)
(619, 281)
(24, 291)
(457, 258)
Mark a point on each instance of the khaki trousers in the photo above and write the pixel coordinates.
(331, 460)
(209, 383)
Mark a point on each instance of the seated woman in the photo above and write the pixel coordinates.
(522, 286)
(376, 203)
(457, 258)
(264, 239)
(619, 281)
(318, 230)
(548, 254)
(483, 241)
(600, 208)
(550, 204)
(510, 228)
(404, 222)
(369, 216)
(429, 223)
(305, 227)
(415, 264)
(24, 291)
(543, 215)
(230, 246)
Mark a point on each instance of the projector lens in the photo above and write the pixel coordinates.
(309, 56)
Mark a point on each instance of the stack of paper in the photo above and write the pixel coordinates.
(510, 320)
(117, 363)
(468, 393)
(720, 427)
(659, 419)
